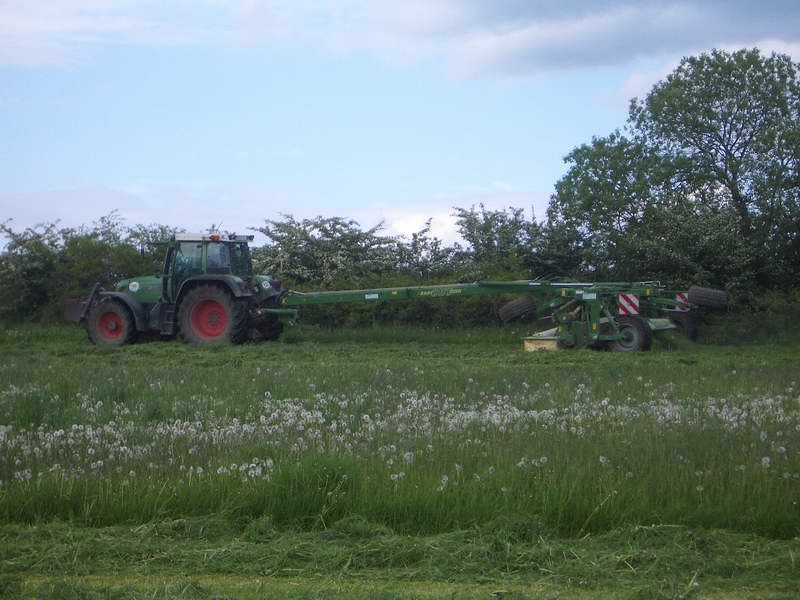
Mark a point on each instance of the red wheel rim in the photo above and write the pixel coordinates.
(209, 319)
(110, 326)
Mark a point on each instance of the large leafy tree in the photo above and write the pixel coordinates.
(610, 186)
(703, 186)
(730, 124)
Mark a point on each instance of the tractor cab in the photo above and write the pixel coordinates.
(193, 255)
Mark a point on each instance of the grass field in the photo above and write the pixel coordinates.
(397, 463)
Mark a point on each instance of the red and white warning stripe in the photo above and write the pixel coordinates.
(683, 301)
(628, 304)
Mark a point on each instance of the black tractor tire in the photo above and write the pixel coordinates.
(517, 308)
(242, 320)
(707, 297)
(638, 337)
(110, 324)
(208, 315)
(270, 329)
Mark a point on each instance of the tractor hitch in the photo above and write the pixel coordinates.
(77, 310)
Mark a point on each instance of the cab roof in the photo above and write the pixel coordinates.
(211, 237)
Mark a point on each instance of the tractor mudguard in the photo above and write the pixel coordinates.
(234, 285)
(137, 310)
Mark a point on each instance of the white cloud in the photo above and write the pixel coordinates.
(468, 36)
(640, 82)
(193, 208)
(645, 74)
(412, 215)
(768, 46)
(443, 224)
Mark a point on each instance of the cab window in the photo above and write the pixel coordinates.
(228, 258)
(188, 259)
(240, 260)
(218, 259)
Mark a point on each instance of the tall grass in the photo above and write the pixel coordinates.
(420, 430)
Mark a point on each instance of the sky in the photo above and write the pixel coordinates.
(200, 112)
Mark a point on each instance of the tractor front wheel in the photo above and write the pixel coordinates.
(110, 324)
(636, 335)
(209, 315)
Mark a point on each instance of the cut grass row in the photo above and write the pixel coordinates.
(214, 557)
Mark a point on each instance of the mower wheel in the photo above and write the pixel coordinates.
(636, 335)
(110, 324)
(270, 329)
(707, 297)
(209, 315)
(519, 307)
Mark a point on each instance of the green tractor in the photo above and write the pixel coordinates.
(207, 293)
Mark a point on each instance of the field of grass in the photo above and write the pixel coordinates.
(397, 463)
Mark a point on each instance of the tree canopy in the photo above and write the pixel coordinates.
(703, 183)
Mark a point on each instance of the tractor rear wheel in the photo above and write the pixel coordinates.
(519, 307)
(241, 321)
(636, 335)
(110, 324)
(209, 315)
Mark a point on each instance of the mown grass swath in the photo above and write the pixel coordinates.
(216, 556)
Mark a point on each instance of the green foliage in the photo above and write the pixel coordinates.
(502, 242)
(27, 270)
(607, 190)
(730, 122)
(704, 188)
(43, 265)
(325, 251)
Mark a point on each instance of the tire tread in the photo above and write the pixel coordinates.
(710, 297)
(516, 308)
